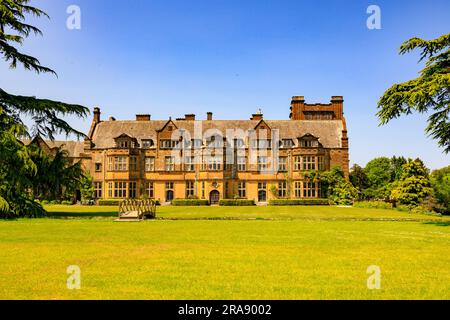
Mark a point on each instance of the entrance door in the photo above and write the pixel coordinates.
(214, 197)
(262, 196)
(169, 196)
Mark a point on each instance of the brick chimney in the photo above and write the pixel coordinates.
(297, 107)
(97, 114)
(143, 117)
(337, 104)
(189, 117)
(209, 116)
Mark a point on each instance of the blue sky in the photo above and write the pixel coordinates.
(168, 58)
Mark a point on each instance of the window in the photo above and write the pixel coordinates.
(133, 163)
(120, 189)
(262, 164)
(170, 163)
(149, 164)
(150, 189)
(297, 163)
(321, 163)
(282, 164)
(239, 143)
(132, 189)
(190, 186)
(98, 194)
(98, 167)
(214, 163)
(120, 163)
(215, 142)
(306, 143)
(309, 190)
(287, 143)
(110, 189)
(168, 144)
(282, 189)
(169, 185)
(203, 189)
(124, 144)
(110, 164)
(189, 164)
(146, 144)
(298, 189)
(309, 163)
(262, 186)
(242, 163)
(261, 144)
(241, 190)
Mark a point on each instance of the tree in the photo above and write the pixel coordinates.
(378, 173)
(428, 94)
(87, 187)
(358, 177)
(440, 181)
(334, 185)
(414, 186)
(16, 164)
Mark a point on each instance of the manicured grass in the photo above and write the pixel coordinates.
(323, 253)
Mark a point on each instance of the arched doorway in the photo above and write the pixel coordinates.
(214, 197)
(262, 196)
(169, 196)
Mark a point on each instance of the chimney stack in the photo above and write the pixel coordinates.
(189, 117)
(337, 103)
(297, 107)
(97, 114)
(209, 116)
(143, 117)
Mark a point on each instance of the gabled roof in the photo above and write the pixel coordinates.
(328, 131)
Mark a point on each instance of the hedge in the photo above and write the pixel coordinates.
(236, 202)
(190, 202)
(116, 202)
(299, 202)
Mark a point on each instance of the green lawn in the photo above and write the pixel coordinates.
(286, 253)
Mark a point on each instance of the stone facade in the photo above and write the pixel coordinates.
(210, 159)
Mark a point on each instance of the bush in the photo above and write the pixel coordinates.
(190, 202)
(299, 202)
(109, 202)
(67, 203)
(116, 202)
(55, 202)
(236, 202)
(44, 202)
(373, 205)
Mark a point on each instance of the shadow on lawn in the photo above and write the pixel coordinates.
(438, 223)
(78, 215)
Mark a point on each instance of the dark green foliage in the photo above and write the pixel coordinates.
(190, 202)
(334, 186)
(358, 177)
(87, 187)
(440, 181)
(299, 202)
(236, 202)
(414, 185)
(109, 202)
(427, 94)
(17, 169)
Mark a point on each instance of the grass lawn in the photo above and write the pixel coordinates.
(286, 253)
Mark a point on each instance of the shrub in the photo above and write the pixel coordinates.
(236, 202)
(299, 202)
(190, 202)
(373, 205)
(44, 202)
(55, 202)
(67, 203)
(109, 202)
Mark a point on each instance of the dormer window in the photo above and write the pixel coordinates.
(123, 144)
(147, 143)
(309, 141)
(287, 143)
(168, 144)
